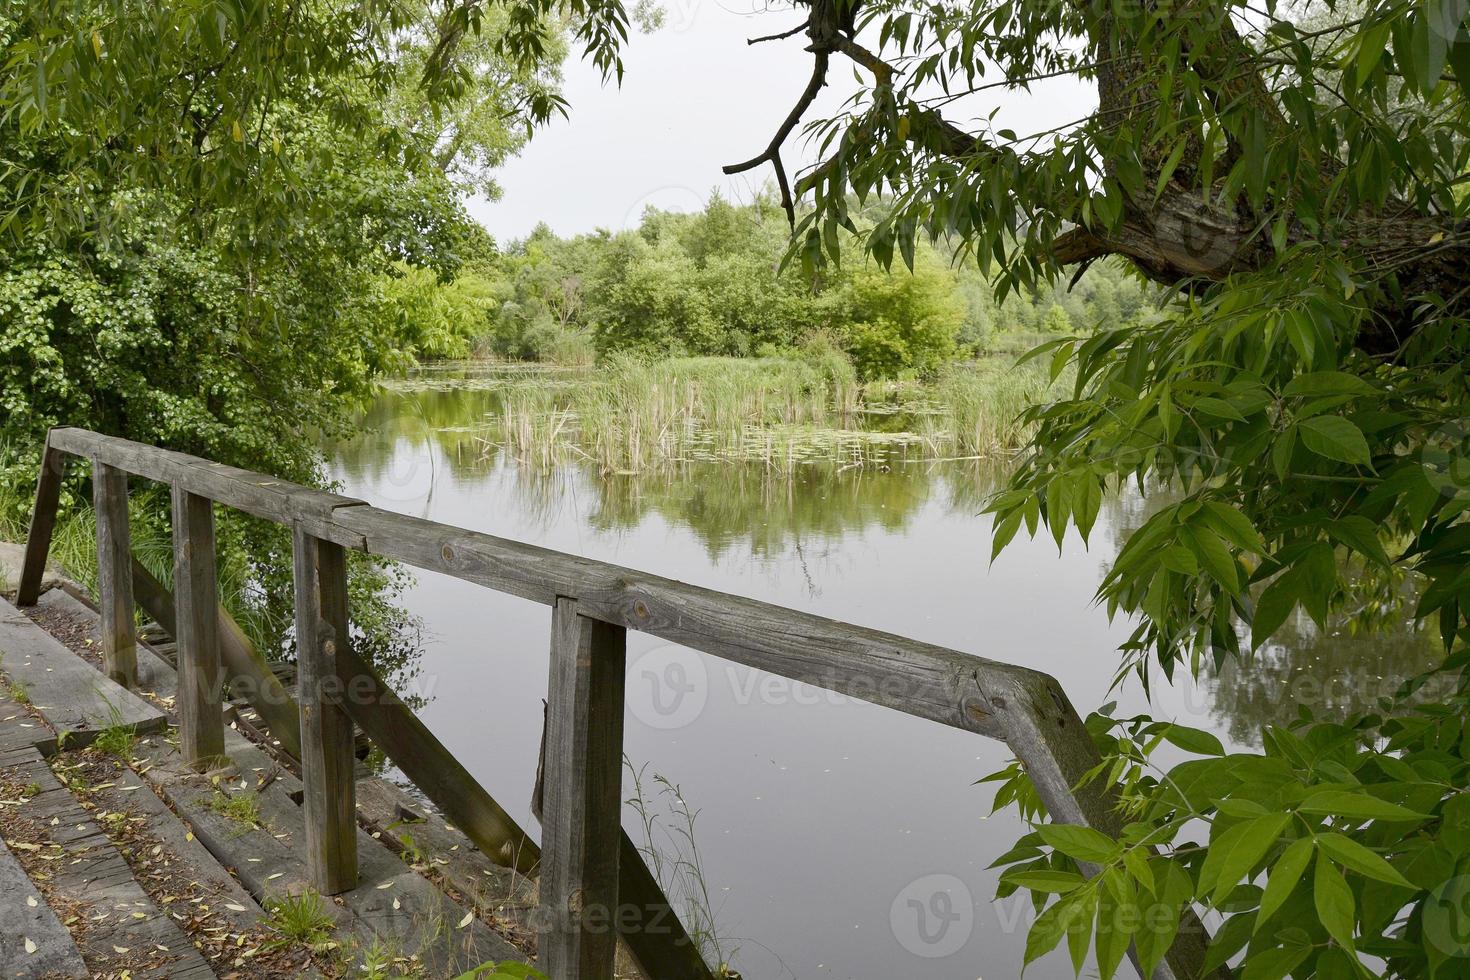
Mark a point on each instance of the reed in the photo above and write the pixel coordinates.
(632, 415)
(978, 408)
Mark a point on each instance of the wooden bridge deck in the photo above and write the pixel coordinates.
(137, 865)
(596, 894)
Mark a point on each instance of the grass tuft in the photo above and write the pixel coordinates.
(302, 919)
(116, 740)
(242, 807)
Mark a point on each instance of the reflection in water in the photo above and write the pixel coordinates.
(1333, 675)
(810, 828)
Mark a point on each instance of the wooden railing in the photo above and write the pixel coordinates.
(593, 884)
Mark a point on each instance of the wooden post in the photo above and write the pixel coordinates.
(326, 732)
(244, 667)
(583, 795)
(646, 919)
(115, 573)
(43, 523)
(201, 675)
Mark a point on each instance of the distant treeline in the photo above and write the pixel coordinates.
(713, 283)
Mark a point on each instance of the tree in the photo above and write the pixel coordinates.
(201, 207)
(1293, 174)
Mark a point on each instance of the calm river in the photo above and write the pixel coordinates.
(836, 839)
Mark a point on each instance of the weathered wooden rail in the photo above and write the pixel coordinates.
(593, 887)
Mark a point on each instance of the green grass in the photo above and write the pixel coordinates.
(977, 407)
(302, 919)
(116, 740)
(633, 416)
(242, 807)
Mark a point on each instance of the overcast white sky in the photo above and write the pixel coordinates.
(694, 97)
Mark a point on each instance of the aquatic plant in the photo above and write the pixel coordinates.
(634, 415)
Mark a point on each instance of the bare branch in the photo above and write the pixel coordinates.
(779, 36)
(772, 152)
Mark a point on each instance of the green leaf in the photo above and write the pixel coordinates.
(1213, 555)
(1233, 526)
(1276, 603)
(1228, 940)
(1086, 502)
(1079, 928)
(1334, 901)
(1047, 931)
(1232, 856)
(1335, 438)
(1050, 882)
(1281, 452)
(1219, 408)
(1356, 806)
(1286, 874)
(1193, 740)
(1454, 828)
(1080, 843)
(1275, 963)
(1117, 917)
(1361, 535)
(1355, 857)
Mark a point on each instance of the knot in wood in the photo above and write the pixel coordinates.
(448, 552)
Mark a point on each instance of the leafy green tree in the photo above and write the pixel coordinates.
(202, 206)
(1293, 173)
(895, 324)
(1057, 320)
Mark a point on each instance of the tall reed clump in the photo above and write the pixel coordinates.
(634, 414)
(977, 408)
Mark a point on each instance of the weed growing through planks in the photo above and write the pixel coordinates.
(243, 807)
(302, 919)
(117, 741)
(17, 693)
(382, 961)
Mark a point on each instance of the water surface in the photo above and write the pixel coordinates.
(838, 839)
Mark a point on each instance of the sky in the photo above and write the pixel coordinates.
(695, 96)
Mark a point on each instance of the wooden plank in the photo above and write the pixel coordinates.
(199, 704)
(27, 922)
(258, 494)
(249, 675)
(71, 694)
(269, 864)
(326, 730)
(88, 873)
(917, 678)
(43, 523)
(432, 767)
(583, 795)
(115, 573)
